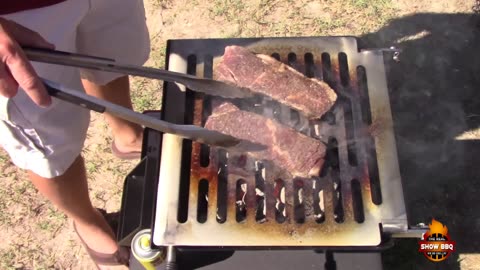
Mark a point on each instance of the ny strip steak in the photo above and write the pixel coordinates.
(294, 152)
(265, 75)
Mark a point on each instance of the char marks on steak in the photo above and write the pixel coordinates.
(263, 74)
(296, 153)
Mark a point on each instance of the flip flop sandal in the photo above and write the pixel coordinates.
(120, 257)
(124, 155)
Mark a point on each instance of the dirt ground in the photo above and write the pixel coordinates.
(434, 102)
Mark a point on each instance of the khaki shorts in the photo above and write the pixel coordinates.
(47, 141)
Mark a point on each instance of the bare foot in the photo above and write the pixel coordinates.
(129, 145)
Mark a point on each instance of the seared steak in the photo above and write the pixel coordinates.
(265, 75)
(298, 154)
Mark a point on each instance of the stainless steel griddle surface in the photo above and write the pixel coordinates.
(345, 206)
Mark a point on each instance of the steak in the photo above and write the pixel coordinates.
(294, 152)
(265, 75)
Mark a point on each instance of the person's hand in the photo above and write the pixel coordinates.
(15, 69)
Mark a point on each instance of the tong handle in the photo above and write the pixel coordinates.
(77, 100)
(103, 64)
(39, 53)
(207, 86)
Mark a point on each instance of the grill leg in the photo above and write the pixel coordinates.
(171, 259)
(330, 263)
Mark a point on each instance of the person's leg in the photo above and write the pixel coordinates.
(69, 192)
(127, 136)
(121, 35)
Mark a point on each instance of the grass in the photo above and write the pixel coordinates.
(45, 225)
(146, 93)
(248, 17)
(91, 167)
(3, 157)
(5, 219)
(230, 9)
(161, 3)
(371, 3)
(56, 214)
(17, 255)
(300, 18)
(157, 56)
(51, 221)
(8, 259)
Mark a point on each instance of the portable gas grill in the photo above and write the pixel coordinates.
(204, 203)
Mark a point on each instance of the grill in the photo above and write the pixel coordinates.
(208, 197)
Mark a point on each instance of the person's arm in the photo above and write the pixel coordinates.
(15, 69)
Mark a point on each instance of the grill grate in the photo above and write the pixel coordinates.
(206, 198)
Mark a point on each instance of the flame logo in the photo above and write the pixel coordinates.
(438, 228)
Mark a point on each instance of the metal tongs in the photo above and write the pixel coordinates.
(192, 132)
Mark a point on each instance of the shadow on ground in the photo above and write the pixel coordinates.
(434, 90)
